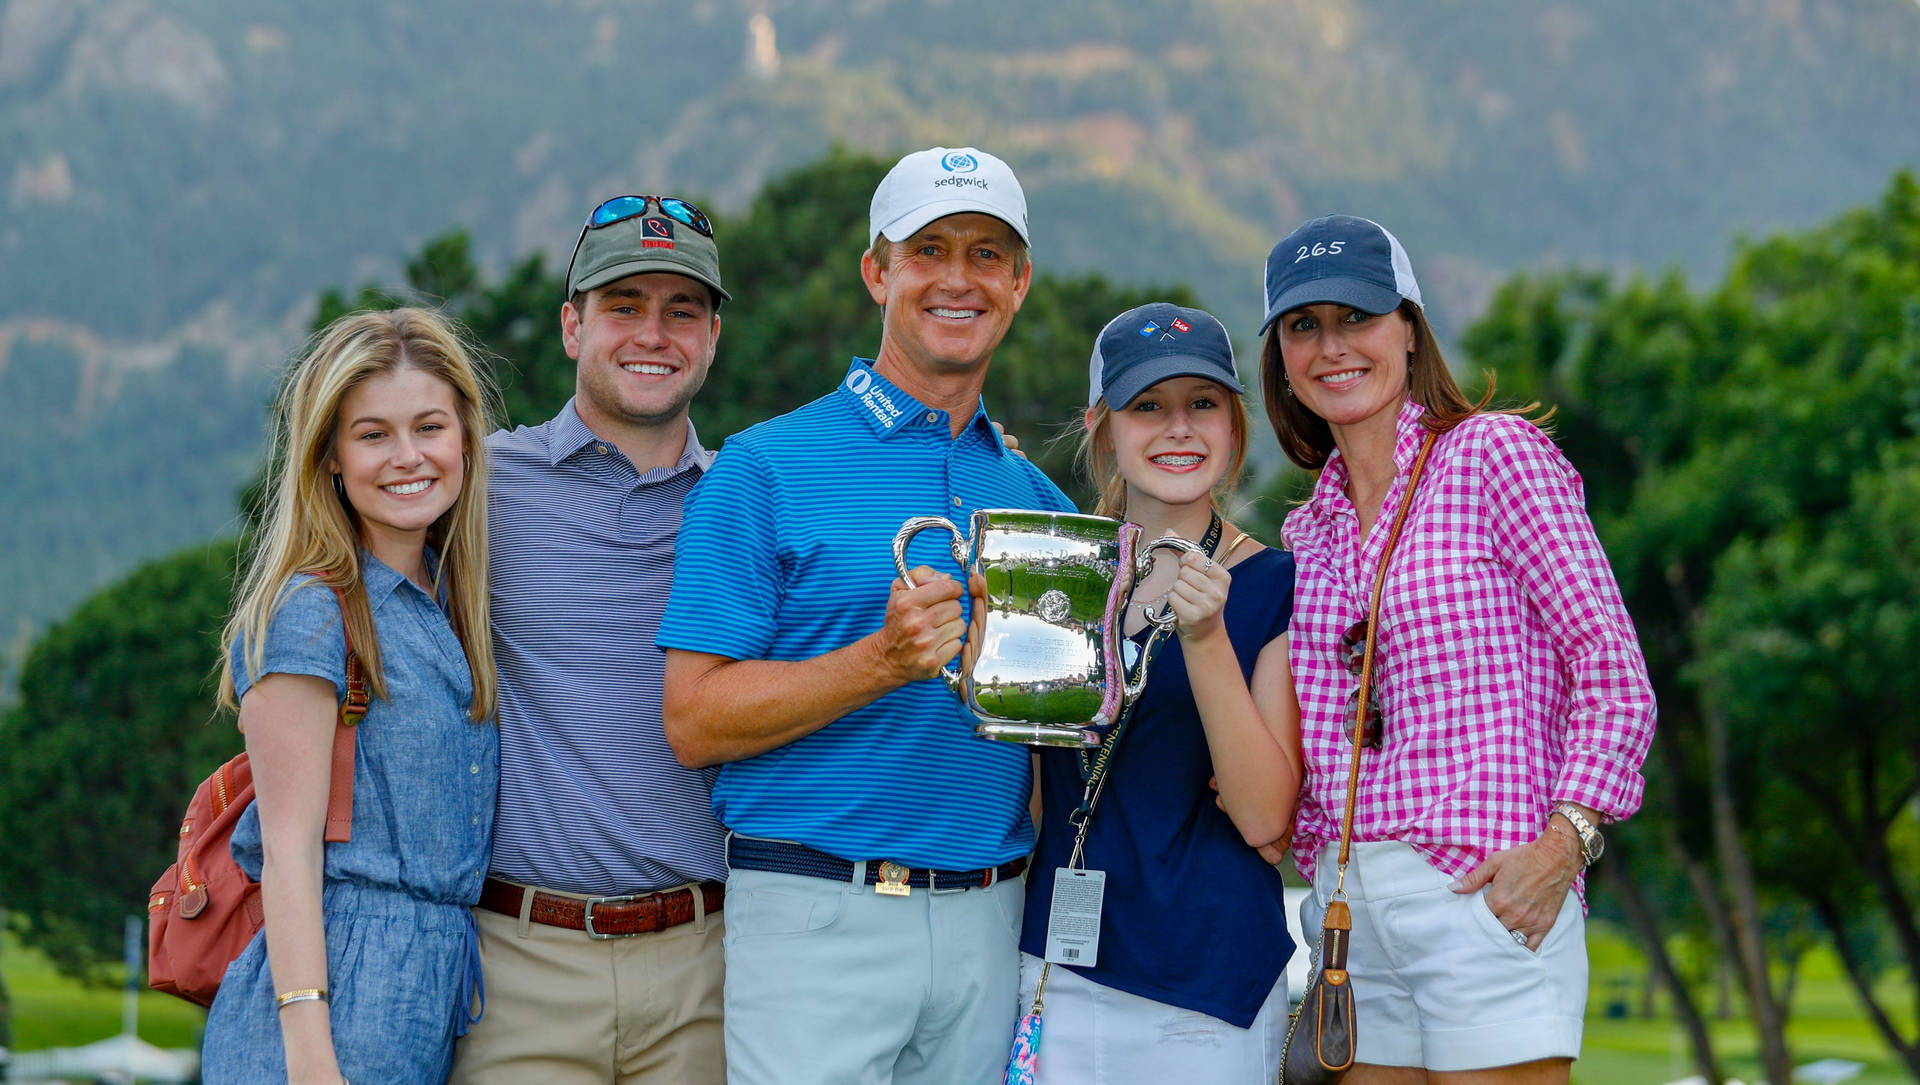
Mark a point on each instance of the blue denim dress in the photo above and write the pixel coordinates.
(402, 950)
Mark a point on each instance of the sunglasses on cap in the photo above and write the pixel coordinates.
(1351, 652)
(622, 208)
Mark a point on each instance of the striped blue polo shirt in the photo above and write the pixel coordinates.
(591, 798)
(787, 553)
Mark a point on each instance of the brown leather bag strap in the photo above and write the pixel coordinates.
(352, 710)
(1373, 631)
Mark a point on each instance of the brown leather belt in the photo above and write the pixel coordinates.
(603, 917)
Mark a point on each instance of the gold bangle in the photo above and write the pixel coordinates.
(304, 994)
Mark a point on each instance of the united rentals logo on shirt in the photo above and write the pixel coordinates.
(861, 383)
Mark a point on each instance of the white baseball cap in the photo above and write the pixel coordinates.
(942, 181)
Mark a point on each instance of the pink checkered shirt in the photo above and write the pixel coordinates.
(1508, 670)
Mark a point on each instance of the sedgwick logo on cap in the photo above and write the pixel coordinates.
(960, 162)
(941, 181)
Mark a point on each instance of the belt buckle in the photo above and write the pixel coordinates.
(893, 880)
(952, 886)
(593, 902)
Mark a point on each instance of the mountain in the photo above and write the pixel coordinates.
(180, 178)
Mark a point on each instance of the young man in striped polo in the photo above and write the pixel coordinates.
(600, 932)
(876, 844)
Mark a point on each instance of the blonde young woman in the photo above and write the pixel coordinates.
(366, 968)
(1188, 983)
(1511, 706)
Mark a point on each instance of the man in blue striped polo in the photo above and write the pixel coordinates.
(876, 845)
(600, 932)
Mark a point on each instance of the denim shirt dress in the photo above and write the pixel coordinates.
(402, 950)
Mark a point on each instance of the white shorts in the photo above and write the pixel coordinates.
(1437, 981)
(1092, 1034)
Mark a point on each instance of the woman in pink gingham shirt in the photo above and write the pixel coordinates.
(1514, 708)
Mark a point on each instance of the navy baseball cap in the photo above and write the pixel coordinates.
(1342, 260)
(1146, 345)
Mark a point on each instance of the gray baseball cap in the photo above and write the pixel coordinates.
(1151, 343)
(631, 235)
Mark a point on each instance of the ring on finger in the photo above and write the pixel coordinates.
(1519, 936)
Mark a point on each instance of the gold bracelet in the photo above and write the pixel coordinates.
(305, 994)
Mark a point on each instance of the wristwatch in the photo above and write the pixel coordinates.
(1592, 844)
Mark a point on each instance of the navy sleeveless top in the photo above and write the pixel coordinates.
(1192, 916)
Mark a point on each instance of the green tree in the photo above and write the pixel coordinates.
(1787, 638)
(114, 728)
(1745, 449)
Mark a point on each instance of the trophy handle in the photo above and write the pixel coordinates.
(907, 531)
(1162, 624)
(914, 527)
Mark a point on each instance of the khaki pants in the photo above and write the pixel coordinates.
(565, 1009)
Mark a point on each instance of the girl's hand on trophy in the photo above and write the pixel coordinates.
(1198, 597)
(923, 627)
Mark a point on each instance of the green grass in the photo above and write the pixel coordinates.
(50, 1010)
(1826, 1022)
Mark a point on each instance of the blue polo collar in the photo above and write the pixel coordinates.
(888, 410)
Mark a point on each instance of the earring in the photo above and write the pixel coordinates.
(1288, 385)
(339, 487)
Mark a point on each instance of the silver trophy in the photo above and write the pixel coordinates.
(1043, 665)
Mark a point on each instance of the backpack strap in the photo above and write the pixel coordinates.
(352, 710)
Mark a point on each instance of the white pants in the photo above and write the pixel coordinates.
(1095, 1035)
(1437, 981)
